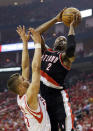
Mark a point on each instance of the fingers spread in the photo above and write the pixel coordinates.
(23, 28)
(19, 29)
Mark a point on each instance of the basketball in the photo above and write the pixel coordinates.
(67, 16)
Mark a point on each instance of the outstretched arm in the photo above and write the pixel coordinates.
(71, 44)
(34, 87)
(44, 27)
(25, 55)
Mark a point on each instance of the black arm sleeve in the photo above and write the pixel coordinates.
(71, 44)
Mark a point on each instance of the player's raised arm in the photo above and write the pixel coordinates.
(25, 55)
(44, 27)
(34, 87)
(70, 52)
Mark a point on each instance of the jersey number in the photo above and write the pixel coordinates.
(49, 66)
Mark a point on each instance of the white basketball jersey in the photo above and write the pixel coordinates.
(37, 120)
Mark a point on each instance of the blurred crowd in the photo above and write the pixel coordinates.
(11, 118)
(14, 14)
(32, 12)
(81, 98)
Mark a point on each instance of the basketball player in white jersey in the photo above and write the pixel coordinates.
(31, 104)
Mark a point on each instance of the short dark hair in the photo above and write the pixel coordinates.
(13, 83)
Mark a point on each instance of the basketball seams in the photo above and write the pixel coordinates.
(67, 16)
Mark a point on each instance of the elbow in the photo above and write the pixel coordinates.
(25, 67)
(35, 66)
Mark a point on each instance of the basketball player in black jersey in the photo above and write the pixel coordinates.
(55, 65)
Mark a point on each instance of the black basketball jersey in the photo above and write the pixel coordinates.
(53, 71)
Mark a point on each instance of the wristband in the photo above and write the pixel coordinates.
(37, 45)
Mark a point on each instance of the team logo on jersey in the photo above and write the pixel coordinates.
(49, 58)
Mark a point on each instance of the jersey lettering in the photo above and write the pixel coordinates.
(43, 101)
(49, 58)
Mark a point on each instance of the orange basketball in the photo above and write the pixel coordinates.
(67, 16)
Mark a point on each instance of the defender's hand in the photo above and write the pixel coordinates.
(35, 35)
(21, 31)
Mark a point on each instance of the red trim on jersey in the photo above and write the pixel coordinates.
(45, 75)
(35, 114)
(51, 50)
(0, 48)
(72, 116)
(66, 67)
(66, 94)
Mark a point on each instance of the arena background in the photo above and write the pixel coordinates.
(80, 79)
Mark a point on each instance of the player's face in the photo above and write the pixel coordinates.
(60, 43)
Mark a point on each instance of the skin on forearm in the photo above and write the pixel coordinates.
(44, 27)
(34, 87)
(25, 61)
(36, 63)
(25, 56)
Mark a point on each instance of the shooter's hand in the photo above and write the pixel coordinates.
(59, 16)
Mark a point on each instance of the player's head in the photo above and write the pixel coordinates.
(60, 44)
(17, 84)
